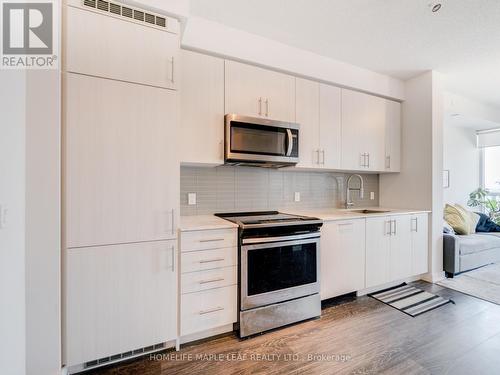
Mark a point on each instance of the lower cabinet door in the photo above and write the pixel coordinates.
(420, 243)
(401, 253)
(378, 248)
(208, 309)
(119, 298)
(342, 257)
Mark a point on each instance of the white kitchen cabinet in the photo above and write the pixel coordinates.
(420, 243)
(208, 282)
(388, 249)
(121, 164)
(259, 92)
(342, 257)
(119, 298)
(393, 136)
(330, 140)
(307, 116)
(401, 254)
(378, 251)
(202, 109)
(363, 131)
(103, 45)
(318, 113)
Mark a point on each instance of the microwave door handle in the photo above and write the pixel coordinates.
(290, 142)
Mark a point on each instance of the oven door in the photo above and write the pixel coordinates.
(258, 140)
(279, 271)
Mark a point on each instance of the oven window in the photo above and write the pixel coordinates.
(251, 139)
(281, 267)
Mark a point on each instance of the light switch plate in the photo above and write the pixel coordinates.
(191, 199)
(372, 195)
(297, 196)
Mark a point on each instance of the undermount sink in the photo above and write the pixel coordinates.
(369, 211)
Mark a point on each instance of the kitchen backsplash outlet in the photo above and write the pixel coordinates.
(231, 189)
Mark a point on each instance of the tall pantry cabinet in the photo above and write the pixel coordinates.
(121, 182)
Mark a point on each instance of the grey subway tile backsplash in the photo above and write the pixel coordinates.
(230, 189)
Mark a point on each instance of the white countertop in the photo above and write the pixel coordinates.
(344, 214)
(211, 222)
(204, 222)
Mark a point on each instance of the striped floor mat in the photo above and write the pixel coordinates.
(410, 300)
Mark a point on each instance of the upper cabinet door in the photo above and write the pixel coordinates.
(109, 47)
(121, 168)
(363, 131)
(202, 109)
(330, 126)
(258, 92)
(307, 112)
(393, 136)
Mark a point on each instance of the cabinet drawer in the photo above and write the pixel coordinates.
(209, 259)
(220, 277)
(208, 239)
(208, 309)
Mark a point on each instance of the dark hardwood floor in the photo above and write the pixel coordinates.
(358, 336)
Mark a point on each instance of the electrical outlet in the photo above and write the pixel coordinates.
(297, 196)
(191, 199)
(372, 195)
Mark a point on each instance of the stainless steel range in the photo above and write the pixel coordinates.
(278, 269)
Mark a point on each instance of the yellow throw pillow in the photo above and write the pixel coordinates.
(473, 217)
(459, 220)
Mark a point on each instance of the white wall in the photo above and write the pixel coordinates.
(12, 193)
(419, 185)
(461, 158)
(211, 37)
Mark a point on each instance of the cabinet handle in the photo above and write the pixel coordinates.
(211, 281)
(260, 106)
(267, 107)
(323, 157)
(395, 227)
(368, 155)
(203, 312)
(172, 69)
(211, 260)
(416, 224)
(388, 232)
(362, 158)
(212, 240)
(317, 156)
(173, 257)
(388, 162)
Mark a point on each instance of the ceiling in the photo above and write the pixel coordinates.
(400, 38)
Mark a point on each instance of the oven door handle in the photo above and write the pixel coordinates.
(248, 241)
(270, 245)
(290, 142)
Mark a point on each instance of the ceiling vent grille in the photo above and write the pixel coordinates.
(119, 10)
(125, 355)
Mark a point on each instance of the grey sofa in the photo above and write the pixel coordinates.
(464, 253)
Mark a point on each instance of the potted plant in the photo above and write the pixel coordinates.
(482, 198)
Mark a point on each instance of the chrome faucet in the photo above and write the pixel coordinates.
(348, 202)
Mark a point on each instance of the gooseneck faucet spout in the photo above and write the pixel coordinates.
(348, 201)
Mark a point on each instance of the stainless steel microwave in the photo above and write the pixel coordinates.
(260, 142)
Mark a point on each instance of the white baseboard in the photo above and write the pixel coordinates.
(434, 277)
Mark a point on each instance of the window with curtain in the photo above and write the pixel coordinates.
(489, 141)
